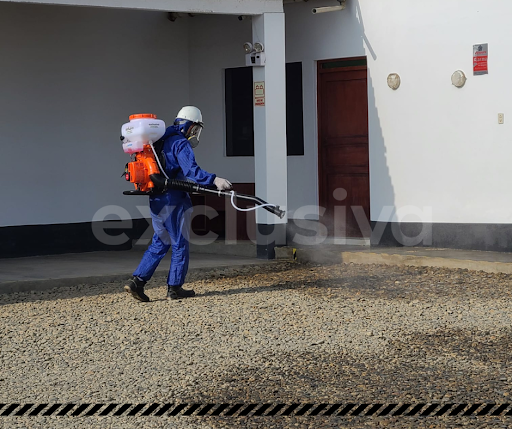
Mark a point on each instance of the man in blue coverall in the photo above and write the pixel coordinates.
(171, 209)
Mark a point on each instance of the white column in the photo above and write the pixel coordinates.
(270, 130)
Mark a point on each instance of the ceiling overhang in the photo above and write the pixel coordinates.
(229, 7)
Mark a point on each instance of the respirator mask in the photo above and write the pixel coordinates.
(193, 134)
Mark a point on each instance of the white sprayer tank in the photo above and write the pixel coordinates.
(142, 129)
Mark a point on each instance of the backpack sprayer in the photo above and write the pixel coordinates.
(146, 173)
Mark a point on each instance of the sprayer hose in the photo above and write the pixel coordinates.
(182, 185)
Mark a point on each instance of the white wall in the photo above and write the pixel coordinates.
(216, 43)
(431, 144)
(443, 145)
(69, 78)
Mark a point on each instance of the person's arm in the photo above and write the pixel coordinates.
(186, 159)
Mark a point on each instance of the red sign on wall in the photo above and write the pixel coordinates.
(480, 54)
(259, 93)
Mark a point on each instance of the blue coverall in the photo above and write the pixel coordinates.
(170, 211)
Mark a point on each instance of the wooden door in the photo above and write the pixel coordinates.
(343, 145)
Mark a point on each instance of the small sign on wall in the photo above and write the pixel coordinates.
(259, 93)
(480, 55)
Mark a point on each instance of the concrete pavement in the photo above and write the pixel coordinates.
(46, 272)
(491, 262)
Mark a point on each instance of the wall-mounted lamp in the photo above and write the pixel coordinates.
(254, 55)
(342, 6)
(458, 78)
(394, 81)
(248, 47)
(258, 47)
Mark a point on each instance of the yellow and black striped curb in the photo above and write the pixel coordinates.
(267, 410)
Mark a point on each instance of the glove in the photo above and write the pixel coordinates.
(222, 184)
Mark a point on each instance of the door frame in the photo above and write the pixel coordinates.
(321, 71)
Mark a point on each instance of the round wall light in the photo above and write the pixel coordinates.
(394, 81)
(458, 78)
(248, 47)
(258, 47)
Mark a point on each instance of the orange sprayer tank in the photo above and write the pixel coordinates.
(138, 134)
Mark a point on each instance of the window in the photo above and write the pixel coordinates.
(239, 112)
(240, 117)
(294, 114)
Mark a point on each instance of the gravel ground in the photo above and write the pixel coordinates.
(279, 333)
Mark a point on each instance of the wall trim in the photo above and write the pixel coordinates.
(469, 236)
(38, 240)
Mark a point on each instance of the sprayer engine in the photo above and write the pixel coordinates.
(139, 170)
(138, 136)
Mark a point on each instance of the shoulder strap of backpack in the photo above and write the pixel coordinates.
(159, 148)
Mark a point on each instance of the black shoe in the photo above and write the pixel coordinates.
(136, 288)
(176, 292)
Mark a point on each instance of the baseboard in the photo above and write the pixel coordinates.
(469, 236)
(39, 240)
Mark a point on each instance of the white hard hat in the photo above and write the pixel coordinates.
(190, 113)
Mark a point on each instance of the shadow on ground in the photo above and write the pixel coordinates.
(444, 367)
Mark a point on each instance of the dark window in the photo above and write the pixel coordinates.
(240, 117)
(239, 113)
(294, 114)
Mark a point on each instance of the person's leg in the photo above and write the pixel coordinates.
(152, 257)
(179, 230)
(179, 262)
(158, 248)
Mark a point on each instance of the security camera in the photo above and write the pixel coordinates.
(241, 17)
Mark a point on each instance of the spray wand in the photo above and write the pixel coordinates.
(181, 185)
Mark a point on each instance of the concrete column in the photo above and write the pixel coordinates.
(270, 132)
